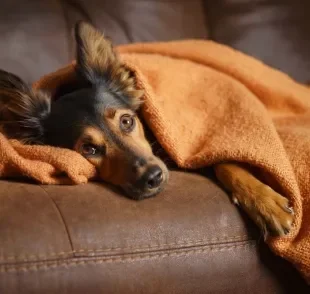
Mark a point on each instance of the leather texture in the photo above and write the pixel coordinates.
(189, 239)
(37, 36)
(274, 31)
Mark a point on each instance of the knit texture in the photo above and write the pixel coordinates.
(206, 103)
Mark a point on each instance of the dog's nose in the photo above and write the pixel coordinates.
(154, 177)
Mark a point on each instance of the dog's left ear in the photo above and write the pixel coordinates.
(99, 64)
(23, 110)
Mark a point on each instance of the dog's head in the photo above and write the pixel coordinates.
(99, 121)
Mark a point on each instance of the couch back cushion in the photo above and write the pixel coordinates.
(36, 36)
(274, 31)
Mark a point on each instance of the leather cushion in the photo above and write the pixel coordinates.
(37, 36)
(89, 238)
(276, 32)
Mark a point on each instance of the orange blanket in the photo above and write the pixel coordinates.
(206, 103)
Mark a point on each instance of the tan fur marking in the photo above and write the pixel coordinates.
(96, 136)
(109, 112)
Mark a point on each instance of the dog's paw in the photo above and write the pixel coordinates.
(268, 209)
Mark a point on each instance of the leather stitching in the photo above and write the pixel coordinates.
(202, 242)
(70, 263)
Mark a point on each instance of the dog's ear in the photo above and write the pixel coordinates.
(98, 62)
(22, 110)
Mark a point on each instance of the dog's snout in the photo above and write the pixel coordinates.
(154, 177)
(148, 182)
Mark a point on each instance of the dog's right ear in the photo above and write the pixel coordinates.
(99, 64)
(22, 109)
(95, 55)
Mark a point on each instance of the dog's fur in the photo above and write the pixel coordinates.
(100, 122)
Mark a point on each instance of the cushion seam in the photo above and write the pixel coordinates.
(73, 262)
(165, 246)
(61, 216)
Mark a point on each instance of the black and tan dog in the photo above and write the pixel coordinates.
(100, 122)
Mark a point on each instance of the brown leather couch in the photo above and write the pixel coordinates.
(189, 239)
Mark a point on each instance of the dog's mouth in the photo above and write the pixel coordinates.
(137, 194)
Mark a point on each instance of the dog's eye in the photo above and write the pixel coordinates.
(89, 150)
(127, 123)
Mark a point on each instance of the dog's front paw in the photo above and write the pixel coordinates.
(268, 209)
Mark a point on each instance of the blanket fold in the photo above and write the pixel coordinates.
(205, 103)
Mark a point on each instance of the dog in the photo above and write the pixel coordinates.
(99, 120)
